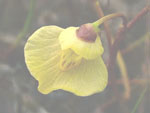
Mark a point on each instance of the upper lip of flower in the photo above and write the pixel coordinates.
(68, 39)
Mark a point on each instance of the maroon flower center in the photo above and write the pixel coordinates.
(86, 33)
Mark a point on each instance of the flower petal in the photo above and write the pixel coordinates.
(88, 78)
(42, 56)
(41, 48)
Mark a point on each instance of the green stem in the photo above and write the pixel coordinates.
(97, 23)
(139, 100)
(27, 23)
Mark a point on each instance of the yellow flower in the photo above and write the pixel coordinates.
(69, 59)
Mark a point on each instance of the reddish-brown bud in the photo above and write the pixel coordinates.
(86, 33)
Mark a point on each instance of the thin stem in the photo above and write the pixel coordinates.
(124, 75)
(108, 36)
(25, 29)
(119, 36)
(138, 16)
(27, 23)
(97, 23)
(136, 81)
(135, 44)
(139, 100)
(106, 26)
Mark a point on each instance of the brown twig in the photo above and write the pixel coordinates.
(143, 12)
(140, 81)
(119, 38)
(120, 34)
(106, 27)
(108, 35)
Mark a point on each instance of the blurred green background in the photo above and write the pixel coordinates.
(18, 89)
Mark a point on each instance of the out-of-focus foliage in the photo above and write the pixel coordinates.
(18, 90)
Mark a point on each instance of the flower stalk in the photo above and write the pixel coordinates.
(97, 23)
